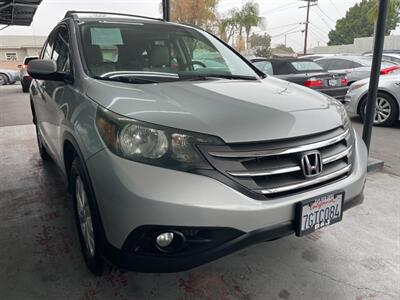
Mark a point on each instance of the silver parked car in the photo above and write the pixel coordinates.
(387, 102)
(356, 67)
(8, 76)
(173, 164)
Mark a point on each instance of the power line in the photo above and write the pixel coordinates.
(287, 25)
(285, 6)
(286, 32)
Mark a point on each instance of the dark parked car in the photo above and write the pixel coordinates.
(26, 79)
(305, 72)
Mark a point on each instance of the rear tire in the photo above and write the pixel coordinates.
(87, 219)
(25, 88)
(387, 110)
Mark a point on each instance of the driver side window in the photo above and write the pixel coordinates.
(61, 51)
(204, 54)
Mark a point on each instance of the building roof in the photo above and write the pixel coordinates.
(21, 41)
(18, 12)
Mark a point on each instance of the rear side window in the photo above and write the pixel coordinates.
(340, 64)
(306, 66)
(264, 66)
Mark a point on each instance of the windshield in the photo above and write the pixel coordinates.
(306, 66)
(152, 52)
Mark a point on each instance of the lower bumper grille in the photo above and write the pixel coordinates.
(275, 168)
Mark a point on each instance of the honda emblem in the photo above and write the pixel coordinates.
(311, 163)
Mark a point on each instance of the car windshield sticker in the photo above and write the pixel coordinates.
(106, 36)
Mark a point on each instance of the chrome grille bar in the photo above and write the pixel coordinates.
(306, 183)
(273, 152)
(257, 173)
(338, 156)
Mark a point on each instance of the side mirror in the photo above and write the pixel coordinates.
(44, 69)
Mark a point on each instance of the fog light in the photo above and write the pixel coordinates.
(165, 239)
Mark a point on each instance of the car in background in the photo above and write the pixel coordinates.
(356, 67)
(8, 77)
(305, 72)
(387, 101)
(26, 79)
(389, 55)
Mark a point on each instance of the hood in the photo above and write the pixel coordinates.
(236, 111)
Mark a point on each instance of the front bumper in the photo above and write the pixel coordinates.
(130, 195)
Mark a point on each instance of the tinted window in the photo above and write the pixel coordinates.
(282, 67)
(324, 63)
(340, 64)
(306, 66)
(264, 66)
(61, 50)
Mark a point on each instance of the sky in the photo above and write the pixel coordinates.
(280, 17)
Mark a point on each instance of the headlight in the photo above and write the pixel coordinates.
(355, 86)
(152, 144)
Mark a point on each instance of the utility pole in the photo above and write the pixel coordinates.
(307, 20)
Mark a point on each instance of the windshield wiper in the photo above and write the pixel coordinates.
(126, 79)
(218, 76)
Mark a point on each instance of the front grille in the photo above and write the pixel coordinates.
(274, 168)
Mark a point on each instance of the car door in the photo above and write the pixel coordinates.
(52, 93)
(38, 91)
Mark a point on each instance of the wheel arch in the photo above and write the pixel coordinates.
(7, 76)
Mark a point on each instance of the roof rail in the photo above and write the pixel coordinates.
(71, 13)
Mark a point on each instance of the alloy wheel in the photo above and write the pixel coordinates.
(85, 216)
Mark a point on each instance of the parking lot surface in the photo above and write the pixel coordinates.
(358, 258)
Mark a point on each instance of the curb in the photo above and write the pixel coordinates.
(375, 165)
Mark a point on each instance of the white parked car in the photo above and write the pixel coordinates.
(387, 102)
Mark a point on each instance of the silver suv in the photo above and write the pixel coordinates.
(174, 160)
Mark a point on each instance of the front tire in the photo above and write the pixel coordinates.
(87, 220)
(3, 80)
(42, 149)
(386, 110)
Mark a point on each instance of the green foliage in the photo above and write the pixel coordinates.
(284, 48)
(359, 21)
(261, 43)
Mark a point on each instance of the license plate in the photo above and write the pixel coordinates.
(319, 212)
(333, 82)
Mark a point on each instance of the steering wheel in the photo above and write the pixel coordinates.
(194, 63)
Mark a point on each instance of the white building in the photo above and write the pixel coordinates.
(13, 48)
(359, 46)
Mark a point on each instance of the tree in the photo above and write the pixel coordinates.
(284, 48)
(359, 22)
(201, 13)
(261, 44)
(250, 18)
